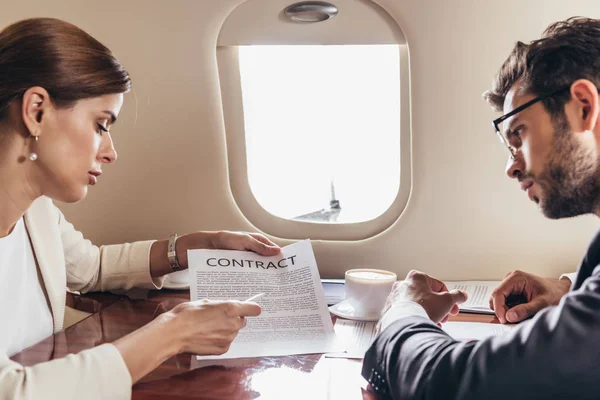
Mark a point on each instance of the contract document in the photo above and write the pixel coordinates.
(479, 293)
(474, 330)
(294, 319)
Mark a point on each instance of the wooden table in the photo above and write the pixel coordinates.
(182, 377)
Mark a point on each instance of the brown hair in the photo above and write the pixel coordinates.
(60, 57)
(568, 50)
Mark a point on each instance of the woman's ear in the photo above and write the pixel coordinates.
(585, 104)
(36, 102)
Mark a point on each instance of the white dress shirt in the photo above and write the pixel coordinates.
(24, 313)
(570, 276)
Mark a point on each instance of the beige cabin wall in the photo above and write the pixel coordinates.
(465, 218)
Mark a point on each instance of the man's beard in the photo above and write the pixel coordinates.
(570, 179)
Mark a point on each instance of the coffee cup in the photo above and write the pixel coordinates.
(180, 277)
(367, 289)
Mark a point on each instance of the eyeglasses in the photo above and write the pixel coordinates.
(498, 121)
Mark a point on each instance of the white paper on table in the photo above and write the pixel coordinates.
(474, 330)
(294, 319)
(355, 336)
(479, 293)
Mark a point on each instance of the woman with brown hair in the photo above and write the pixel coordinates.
(60, 93)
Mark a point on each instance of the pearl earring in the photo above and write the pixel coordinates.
(33, 156)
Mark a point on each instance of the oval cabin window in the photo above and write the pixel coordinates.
(316, 118)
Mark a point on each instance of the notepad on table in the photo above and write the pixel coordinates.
(474, 330)
(478, 292)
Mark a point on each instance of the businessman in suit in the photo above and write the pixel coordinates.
(548, 93)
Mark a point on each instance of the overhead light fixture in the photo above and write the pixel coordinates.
(311, 11)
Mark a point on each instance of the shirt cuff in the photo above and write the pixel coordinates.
(401, 310)
(572, 277)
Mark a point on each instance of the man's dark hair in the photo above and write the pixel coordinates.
(568, 50)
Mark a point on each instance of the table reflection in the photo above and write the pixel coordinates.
(311, 376)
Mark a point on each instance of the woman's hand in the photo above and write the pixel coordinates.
(223, 240)
(202, 327)
(255, 242)
(208, 327)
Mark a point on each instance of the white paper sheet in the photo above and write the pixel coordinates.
(294, 319)
(355, 336)
(479, 293)
(474, 330)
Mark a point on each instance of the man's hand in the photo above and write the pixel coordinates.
(430, 293)
(538, 292)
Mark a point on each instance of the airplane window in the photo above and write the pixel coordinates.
(322, 129)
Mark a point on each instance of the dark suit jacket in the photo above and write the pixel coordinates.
(555, 355)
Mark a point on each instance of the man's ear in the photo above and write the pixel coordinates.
(585, 105)
(36, 102)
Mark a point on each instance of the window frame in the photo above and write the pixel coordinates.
(233, 113)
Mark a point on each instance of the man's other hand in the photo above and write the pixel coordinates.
(538, 293)
(430, 293)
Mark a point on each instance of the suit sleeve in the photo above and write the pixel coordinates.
(91, 268)
(554, 355)
(96, 374)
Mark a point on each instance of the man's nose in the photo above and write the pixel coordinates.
(514, 167)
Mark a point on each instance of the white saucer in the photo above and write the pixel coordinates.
(345, 310)
(167, 284)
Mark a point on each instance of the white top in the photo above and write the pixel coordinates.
(24, 313)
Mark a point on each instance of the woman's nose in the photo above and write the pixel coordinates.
(107, 153)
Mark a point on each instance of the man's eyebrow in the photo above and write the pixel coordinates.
(113, 117)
